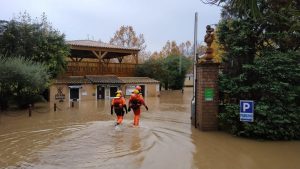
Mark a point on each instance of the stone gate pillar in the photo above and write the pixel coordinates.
(207, 99)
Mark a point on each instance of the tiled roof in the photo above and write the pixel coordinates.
(105, 79)
(90, 43)
(72, 80)
(138, 80)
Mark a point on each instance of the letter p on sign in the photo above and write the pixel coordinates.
(246, 106)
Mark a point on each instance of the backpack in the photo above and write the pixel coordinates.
(135, 103)
(117, 103)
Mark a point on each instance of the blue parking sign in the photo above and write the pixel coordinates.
(246, 106)
(246, 110)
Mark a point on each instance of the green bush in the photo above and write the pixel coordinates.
(21, 81)
(272, 81)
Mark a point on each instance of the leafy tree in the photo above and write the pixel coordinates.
(177, 67)
(171, 48)
(238, 39)
(243, 38)
(185, 48)
(170, 71)
(174, 62)
(127, 37)
(3, 26)
(21, 81)
(153, 68)
(217, 50)
(244, 7)
(35, 40)
(253, 8)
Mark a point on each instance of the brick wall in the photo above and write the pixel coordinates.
(207, 110)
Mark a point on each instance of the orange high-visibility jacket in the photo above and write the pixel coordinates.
(135, 101)
(118, 103)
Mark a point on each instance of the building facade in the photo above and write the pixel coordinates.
(91, 74)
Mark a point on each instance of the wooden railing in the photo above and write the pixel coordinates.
(97, 68)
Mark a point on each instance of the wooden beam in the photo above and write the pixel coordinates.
(103, 55)
(72, 59)
(96, 54)
(120, 59)
(135, 56)
(129, 51)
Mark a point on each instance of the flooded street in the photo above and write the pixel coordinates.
(85, 137)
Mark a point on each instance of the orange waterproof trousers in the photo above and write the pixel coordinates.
(136, 118)
(119, 119)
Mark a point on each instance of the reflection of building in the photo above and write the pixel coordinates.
(189, 80)
(90, 74)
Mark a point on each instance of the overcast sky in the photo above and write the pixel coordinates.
(158, 20)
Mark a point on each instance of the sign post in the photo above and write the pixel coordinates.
(247, 110)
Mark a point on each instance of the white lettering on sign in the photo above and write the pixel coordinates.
(245, 115)
(246, 106)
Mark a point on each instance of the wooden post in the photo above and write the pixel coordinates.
(136, 58)
(100, 70)
(29, 110)
(55, 107)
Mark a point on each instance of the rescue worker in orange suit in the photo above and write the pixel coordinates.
(135, 103)
(139, 88)
(118, 104)
(121, 93)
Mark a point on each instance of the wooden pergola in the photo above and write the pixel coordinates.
(93, 58)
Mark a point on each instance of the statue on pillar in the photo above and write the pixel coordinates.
(208, 39)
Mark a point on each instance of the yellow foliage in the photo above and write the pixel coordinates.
(217, 50)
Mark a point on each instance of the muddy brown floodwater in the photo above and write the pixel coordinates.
(85, 137)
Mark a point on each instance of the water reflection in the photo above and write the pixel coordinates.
(85, 137)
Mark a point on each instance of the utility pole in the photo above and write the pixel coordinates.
(193, 104)
(195, 54)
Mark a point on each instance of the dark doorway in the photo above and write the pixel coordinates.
(45, 94)
(143, 90)
(113, 91)
(74, 93)
(100, 92)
